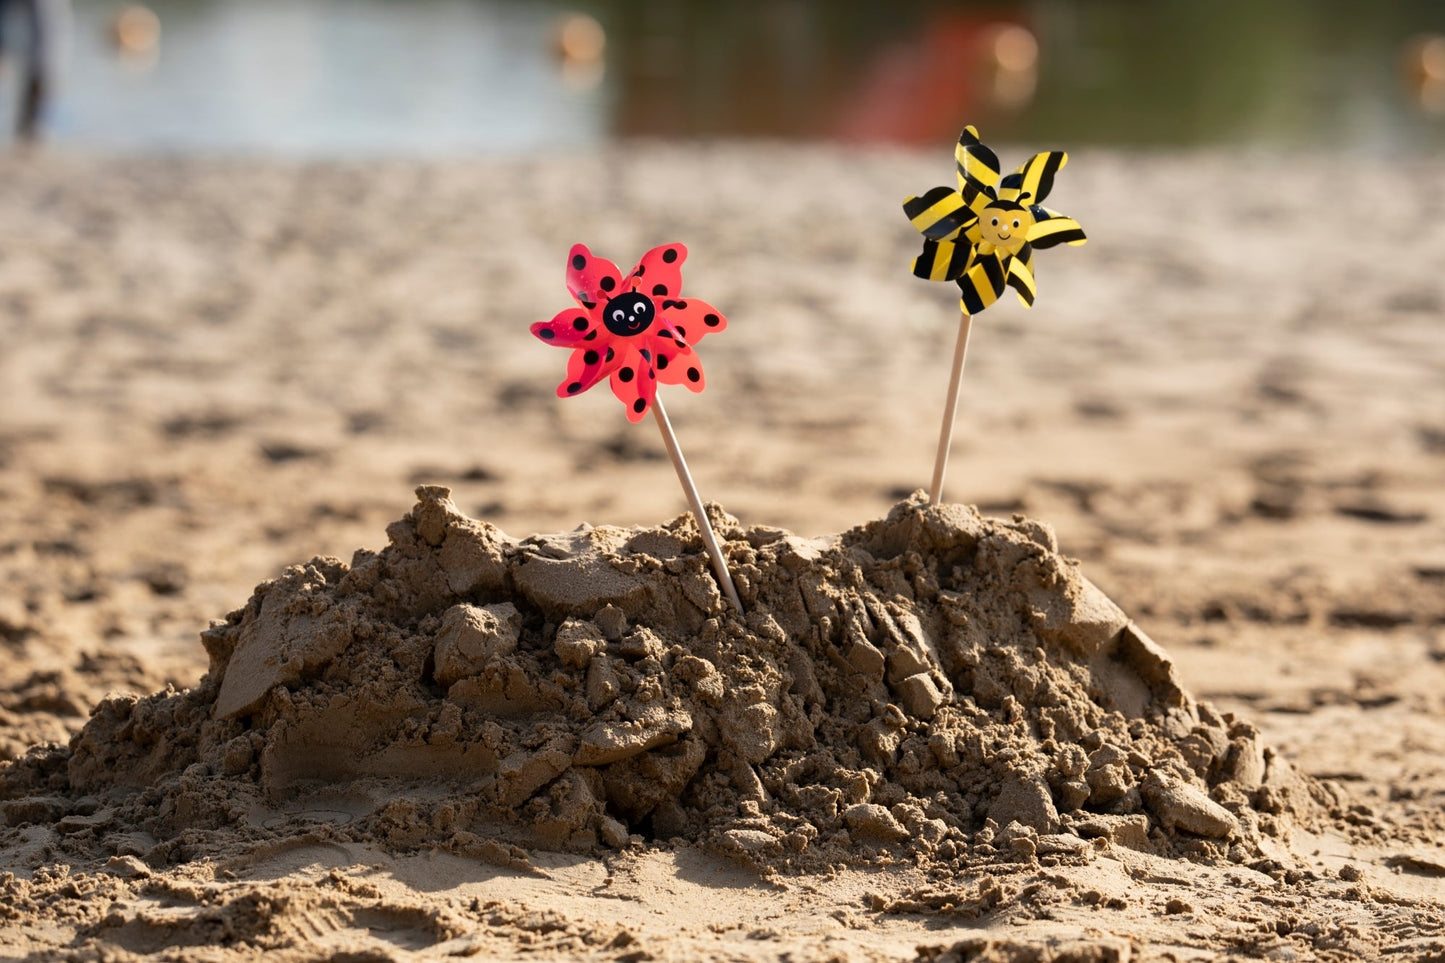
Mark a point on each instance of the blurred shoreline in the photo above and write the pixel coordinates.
(320, 78)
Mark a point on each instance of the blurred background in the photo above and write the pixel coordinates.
(425, 77)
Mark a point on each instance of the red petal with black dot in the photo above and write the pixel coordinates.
(591, 279)
(634, 381)
(693, 318)
(659, 274)
(679, 366)
(567, 330)
(585, 368)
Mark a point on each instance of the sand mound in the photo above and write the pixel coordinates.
(934, 685)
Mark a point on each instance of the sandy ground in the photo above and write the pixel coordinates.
(1230, 405)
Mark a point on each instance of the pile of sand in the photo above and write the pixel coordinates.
(934, 686)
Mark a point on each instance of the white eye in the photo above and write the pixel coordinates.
(1016, 222)
(618, 315)
(995, 222)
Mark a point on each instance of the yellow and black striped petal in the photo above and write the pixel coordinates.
(939, 214)
(1010, 186)
(1036, 176)
(981, 284)
(977, 170)
(942, 261)
(1021, 275)
(1052, 229)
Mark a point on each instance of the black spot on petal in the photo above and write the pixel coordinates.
(659, 290)
(580, 323)
(646, 355)
(591, 336)
(547, 334)
(574, 387)
(609, 354)
(578, 261)
(639, 406)
(670, 255)
(590, 357)
(694, 375)
(662, 362)
(681, 330)
(712, 320)
(625, 375)
(608, 283)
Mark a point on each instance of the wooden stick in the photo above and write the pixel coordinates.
(945, 434)
(719, 564)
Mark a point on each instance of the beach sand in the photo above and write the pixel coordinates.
(1229, 407)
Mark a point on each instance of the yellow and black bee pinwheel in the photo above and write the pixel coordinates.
(983, 235)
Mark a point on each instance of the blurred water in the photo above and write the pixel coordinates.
(335, 77)
(428, 77)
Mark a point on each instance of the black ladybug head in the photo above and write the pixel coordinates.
(629, 314)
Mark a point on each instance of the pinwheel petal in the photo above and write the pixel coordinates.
(942, 260)
(634, 381)
(1052, 229)
(1021, 275)
(568, 329)
(692, 318)
(585, 368)
(939, 214)
(978, 170)
(659, 273)
(666, 347)
(982, 284)
(591, 279)
(678, 366)
(1036, 175)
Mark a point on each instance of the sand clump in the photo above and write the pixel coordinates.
(934, 686)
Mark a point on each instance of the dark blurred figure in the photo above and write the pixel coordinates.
(39, 24)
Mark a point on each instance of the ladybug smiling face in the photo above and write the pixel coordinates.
(629, 314)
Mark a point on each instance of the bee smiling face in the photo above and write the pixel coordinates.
(1006, 228)
(629, 314)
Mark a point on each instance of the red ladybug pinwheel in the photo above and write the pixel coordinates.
(636, 330)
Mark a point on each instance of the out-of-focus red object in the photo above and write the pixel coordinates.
(958, 64)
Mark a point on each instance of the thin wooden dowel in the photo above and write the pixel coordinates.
(945, 434)
(714, 551)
